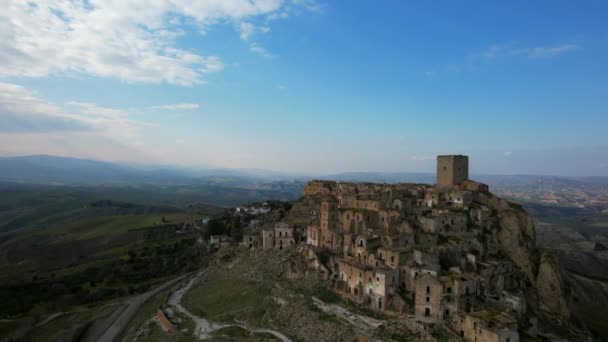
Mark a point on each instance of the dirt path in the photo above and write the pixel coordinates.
(205, 328)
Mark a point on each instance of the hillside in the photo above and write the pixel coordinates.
(101, 251)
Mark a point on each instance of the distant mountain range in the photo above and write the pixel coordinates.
(45, 169)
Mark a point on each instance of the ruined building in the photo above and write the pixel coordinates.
(442, 248)
(279, 237)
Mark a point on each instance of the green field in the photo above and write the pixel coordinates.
(67, 254)
(35, 206)
(107, 226)
(222, 298)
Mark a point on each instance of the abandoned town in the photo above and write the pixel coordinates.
(303, 171)
(346, 261)
(450, 253)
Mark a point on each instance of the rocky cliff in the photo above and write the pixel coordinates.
(513, 233)
(563, 289)
(551, 289)
(573, 288)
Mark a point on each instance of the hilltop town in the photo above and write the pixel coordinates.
(451, 253)
(447, 261)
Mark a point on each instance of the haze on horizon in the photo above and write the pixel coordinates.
(309, 86)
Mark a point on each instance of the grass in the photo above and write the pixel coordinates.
(64, 253)
(56, 329)
(403, 336)
(147, 311)
(157, 334)
(441, 333)
(235, 333)
(7, 327)
(223, 298)
(107, 226)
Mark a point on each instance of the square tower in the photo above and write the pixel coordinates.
(452, 170)
(329, 214)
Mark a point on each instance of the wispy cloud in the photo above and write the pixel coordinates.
(551, 51)
(508, 153)
(23, 112)
(535, 52)
(422, 158)
(133, 41)
(92, 109)
(246, 30)
(255, 48)
(178, 106)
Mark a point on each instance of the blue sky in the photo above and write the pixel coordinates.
(309, 86)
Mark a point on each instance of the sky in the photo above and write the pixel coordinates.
(309, 86)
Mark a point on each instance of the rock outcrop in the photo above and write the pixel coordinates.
(514, 233)
(573, 289)
(551, 289)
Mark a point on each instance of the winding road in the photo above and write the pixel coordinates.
(111, 328)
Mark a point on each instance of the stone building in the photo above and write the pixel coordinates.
(485, 326)
(318, 187)
(394, 256)
(281, 236)
(252, 240)
(268, 238)
(365, 284)
(428, 298)
(313, 235)
(426, 240)
(218, 241)
(452, 170)
(444, 221)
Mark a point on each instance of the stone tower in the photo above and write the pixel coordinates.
(329, 222)
(452, 170)
(329, 214)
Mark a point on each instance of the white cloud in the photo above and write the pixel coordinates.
(246, 29)
(255, 48)
(23, 112)
(422, 158)
(129, 40)
(310, 5)
(538, 52)
(281, 87)
(92, 109)
(508, 153)
(178, 106)
(277, 16)
(551, 51)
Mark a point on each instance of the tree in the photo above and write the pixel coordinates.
(216, 227)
